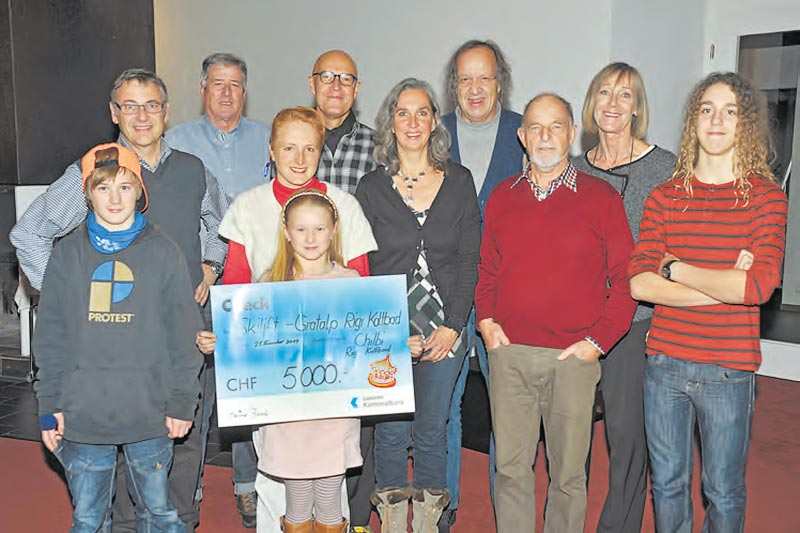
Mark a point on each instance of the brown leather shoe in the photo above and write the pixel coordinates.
(305, 527)
(325, 528)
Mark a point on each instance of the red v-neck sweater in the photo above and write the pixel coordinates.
(554, 272)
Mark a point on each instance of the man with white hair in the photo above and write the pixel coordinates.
(549, 303)
(236, 150)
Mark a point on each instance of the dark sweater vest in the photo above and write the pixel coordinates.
(175, 192)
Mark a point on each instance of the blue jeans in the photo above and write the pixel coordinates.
(454, 425)
(426, 433)
(90, 469)
(245, 466)
(676, 393)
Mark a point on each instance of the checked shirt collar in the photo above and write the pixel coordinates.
(568, 178)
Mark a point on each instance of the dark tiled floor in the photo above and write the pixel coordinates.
(18, 410)
(9, 335)
(18, 420)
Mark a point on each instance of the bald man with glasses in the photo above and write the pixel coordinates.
(347, 153)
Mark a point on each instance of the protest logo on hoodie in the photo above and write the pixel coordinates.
(112, 283)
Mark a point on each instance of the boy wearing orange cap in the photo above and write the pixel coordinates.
(115, 348)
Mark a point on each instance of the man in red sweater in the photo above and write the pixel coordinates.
(552, 297)
(710, 250)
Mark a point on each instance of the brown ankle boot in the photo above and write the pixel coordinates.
(305, 527)
(341, 527)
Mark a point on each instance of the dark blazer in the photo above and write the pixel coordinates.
(452, 235)
(506, 157)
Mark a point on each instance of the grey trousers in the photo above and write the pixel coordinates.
(529, 385)
(622, 388)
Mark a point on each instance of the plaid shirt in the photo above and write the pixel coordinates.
(352, 159)
(569, 178)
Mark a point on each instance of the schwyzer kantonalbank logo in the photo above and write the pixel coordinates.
(112, 282)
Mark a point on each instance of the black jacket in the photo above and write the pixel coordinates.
(452, 235)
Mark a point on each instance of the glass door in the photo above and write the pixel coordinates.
(772, 61)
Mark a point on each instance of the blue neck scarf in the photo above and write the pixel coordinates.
(109, 242)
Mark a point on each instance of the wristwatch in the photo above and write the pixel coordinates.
(216, 266)
(666, 270)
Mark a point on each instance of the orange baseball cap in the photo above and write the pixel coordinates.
(126, 158)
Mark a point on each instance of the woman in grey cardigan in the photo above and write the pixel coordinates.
(616, 110)
(424, 214)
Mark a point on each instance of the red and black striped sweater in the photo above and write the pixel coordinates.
(708, 230)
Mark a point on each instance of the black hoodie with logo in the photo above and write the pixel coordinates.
(114, 339)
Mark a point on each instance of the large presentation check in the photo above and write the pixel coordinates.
(304, 350)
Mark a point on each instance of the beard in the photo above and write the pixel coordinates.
(547, 164)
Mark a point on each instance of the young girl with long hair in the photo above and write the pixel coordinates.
(310, 456)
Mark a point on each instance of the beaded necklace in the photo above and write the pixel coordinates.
(410, 182)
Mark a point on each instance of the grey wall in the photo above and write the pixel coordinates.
(727, 19)
(664, 40)
(552, 46)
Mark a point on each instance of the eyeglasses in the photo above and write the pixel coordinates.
(327, 77)
(151, 108)
(481, 81)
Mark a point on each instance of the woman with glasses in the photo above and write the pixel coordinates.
(424, 214)
(616, 110)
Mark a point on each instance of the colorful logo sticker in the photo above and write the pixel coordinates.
(382, 373)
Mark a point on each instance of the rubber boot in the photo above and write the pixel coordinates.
(341, 527)
(428, 507)
(305, 527)
(392, 505)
